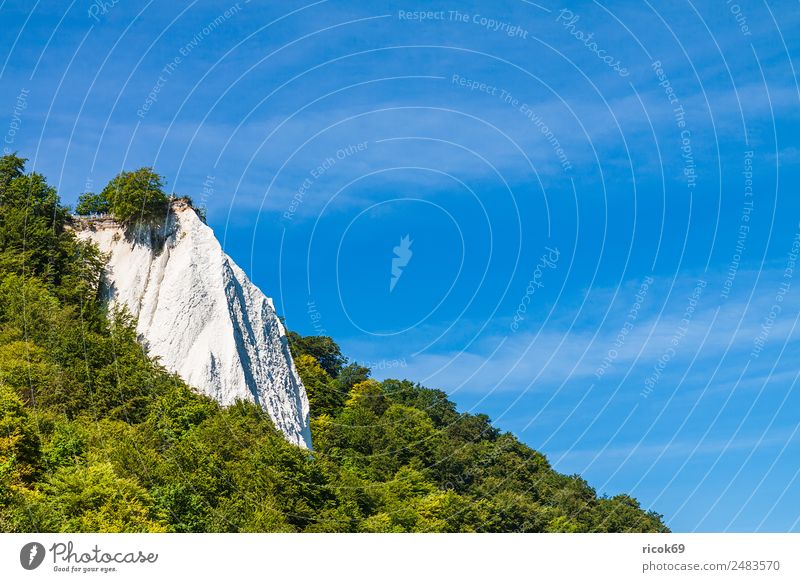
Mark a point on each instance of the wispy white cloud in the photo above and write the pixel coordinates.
(574, 344)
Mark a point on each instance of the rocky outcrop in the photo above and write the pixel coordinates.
(200, 315)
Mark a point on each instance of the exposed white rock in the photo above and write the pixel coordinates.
(199, 313)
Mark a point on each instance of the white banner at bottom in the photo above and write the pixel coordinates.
(418, 557)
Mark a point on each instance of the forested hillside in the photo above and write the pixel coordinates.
(96, 436)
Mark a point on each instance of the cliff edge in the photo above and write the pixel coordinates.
(200, 315)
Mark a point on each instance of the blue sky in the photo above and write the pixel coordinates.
(600, 198)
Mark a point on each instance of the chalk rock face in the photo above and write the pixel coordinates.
(200, 314)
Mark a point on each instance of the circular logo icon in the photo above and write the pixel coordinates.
(31, 555)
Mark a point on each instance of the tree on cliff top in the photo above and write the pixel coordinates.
(130, 197)
(91, 203)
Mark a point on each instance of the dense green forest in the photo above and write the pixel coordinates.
(96, 436)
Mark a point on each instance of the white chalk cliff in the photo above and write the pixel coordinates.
(201, 316)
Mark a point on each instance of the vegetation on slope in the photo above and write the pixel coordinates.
(97, 436)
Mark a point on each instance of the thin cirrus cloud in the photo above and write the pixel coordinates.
(563, 350)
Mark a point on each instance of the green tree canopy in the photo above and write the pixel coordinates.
(90, 203)
(93, 498)
(322, 348)
(134, 196)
